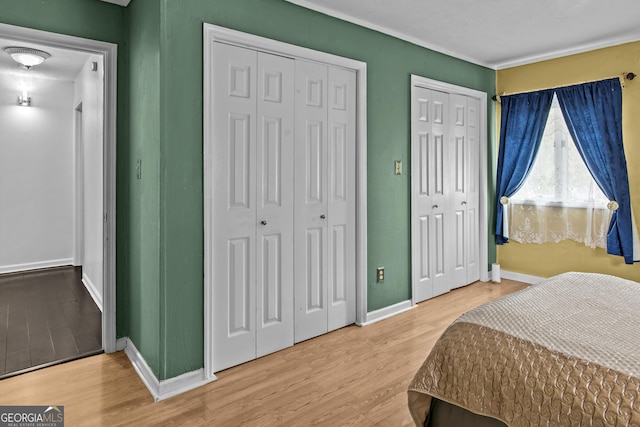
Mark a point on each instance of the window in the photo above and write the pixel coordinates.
(559, 176)
(560, 199)
(595, 112)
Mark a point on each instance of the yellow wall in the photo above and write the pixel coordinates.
(552, 258)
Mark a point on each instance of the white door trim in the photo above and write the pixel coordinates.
(78, 219)
(109, 52)
(483, 190)
(213, 33)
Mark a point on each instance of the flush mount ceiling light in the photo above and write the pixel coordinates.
(26, 56)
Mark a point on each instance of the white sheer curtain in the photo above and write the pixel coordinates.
(531, 223)
(559, 200)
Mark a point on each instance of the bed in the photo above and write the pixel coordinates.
(564, 352)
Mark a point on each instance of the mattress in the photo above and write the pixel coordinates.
(563, 352)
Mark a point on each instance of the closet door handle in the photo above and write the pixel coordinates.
(434, 207)
(263, 222)
(323, 216)
(463, 203)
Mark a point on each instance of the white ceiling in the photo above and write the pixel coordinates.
(62, 65)
(495, 33)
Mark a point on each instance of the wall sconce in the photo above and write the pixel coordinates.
(24, 100)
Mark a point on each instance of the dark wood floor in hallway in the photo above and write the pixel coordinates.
(46, 316)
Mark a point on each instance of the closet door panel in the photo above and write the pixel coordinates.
(473, 244)
(459, 161)
(439, 204)
(473, 193)
(310, 234)
(340, 217)
(422, 163)
(314, 290)
(423, 243)
(239, 286)
(274, 218)
(234, 206)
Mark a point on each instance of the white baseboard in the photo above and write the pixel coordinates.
(121, 344)
(35, 265)
(386, 312)
(525, 278)
(93, 290)
(164, 389)
(484, 275)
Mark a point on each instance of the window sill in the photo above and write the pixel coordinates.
(575, 205)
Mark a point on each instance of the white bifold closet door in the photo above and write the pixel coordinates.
(253, 205)
(324, 199)
(445, 176)
(284, 202)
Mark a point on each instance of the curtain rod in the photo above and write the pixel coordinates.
(625, 76)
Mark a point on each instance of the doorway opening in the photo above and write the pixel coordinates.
(57, 237)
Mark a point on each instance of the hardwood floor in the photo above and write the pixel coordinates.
(46, 316)
(356, 376)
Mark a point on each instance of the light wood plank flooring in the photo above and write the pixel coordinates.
(351, 377)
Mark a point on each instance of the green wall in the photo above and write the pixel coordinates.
(90, 19)
(143, 24)
(390, 62)
(160, 216)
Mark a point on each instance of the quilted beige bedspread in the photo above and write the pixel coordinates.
(564, 352)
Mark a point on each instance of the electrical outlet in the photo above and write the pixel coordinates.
(380, 277)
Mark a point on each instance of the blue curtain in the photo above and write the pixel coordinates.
(593, 112)
(522, 123)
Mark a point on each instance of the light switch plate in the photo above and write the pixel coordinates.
(398, 165)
